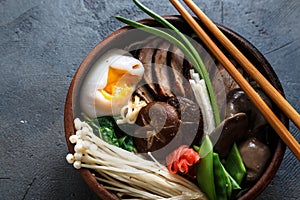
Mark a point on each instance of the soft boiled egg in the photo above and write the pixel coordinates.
(110, 83)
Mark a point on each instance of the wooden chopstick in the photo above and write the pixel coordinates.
(276, 124)
(278, 99)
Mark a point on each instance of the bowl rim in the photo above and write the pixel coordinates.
(87, 175)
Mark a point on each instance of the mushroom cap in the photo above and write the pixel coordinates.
(159, 123)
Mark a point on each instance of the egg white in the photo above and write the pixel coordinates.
(93, 103)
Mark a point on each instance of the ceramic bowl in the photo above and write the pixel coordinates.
(71, 107)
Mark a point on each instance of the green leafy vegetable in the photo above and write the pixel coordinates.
(109, 131)
(234, 165)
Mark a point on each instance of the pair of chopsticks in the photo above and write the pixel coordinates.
(277, 98)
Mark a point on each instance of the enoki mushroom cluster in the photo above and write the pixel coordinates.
(126, 173)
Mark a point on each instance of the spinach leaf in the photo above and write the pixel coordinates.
(110, 132)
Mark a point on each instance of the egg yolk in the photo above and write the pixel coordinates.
(118, 84)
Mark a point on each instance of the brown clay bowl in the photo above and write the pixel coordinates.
(71, 107)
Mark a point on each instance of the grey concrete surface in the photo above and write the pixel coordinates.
(42, 43)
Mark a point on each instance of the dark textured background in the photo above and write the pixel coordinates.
(43, 42)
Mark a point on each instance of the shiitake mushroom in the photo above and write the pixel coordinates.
(255, 155)
(230, 130)
(238, 101)
(159, 123)
(178, 120)
(192, 125)
(249, 132)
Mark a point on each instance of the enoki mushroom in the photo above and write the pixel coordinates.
(125, 173)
